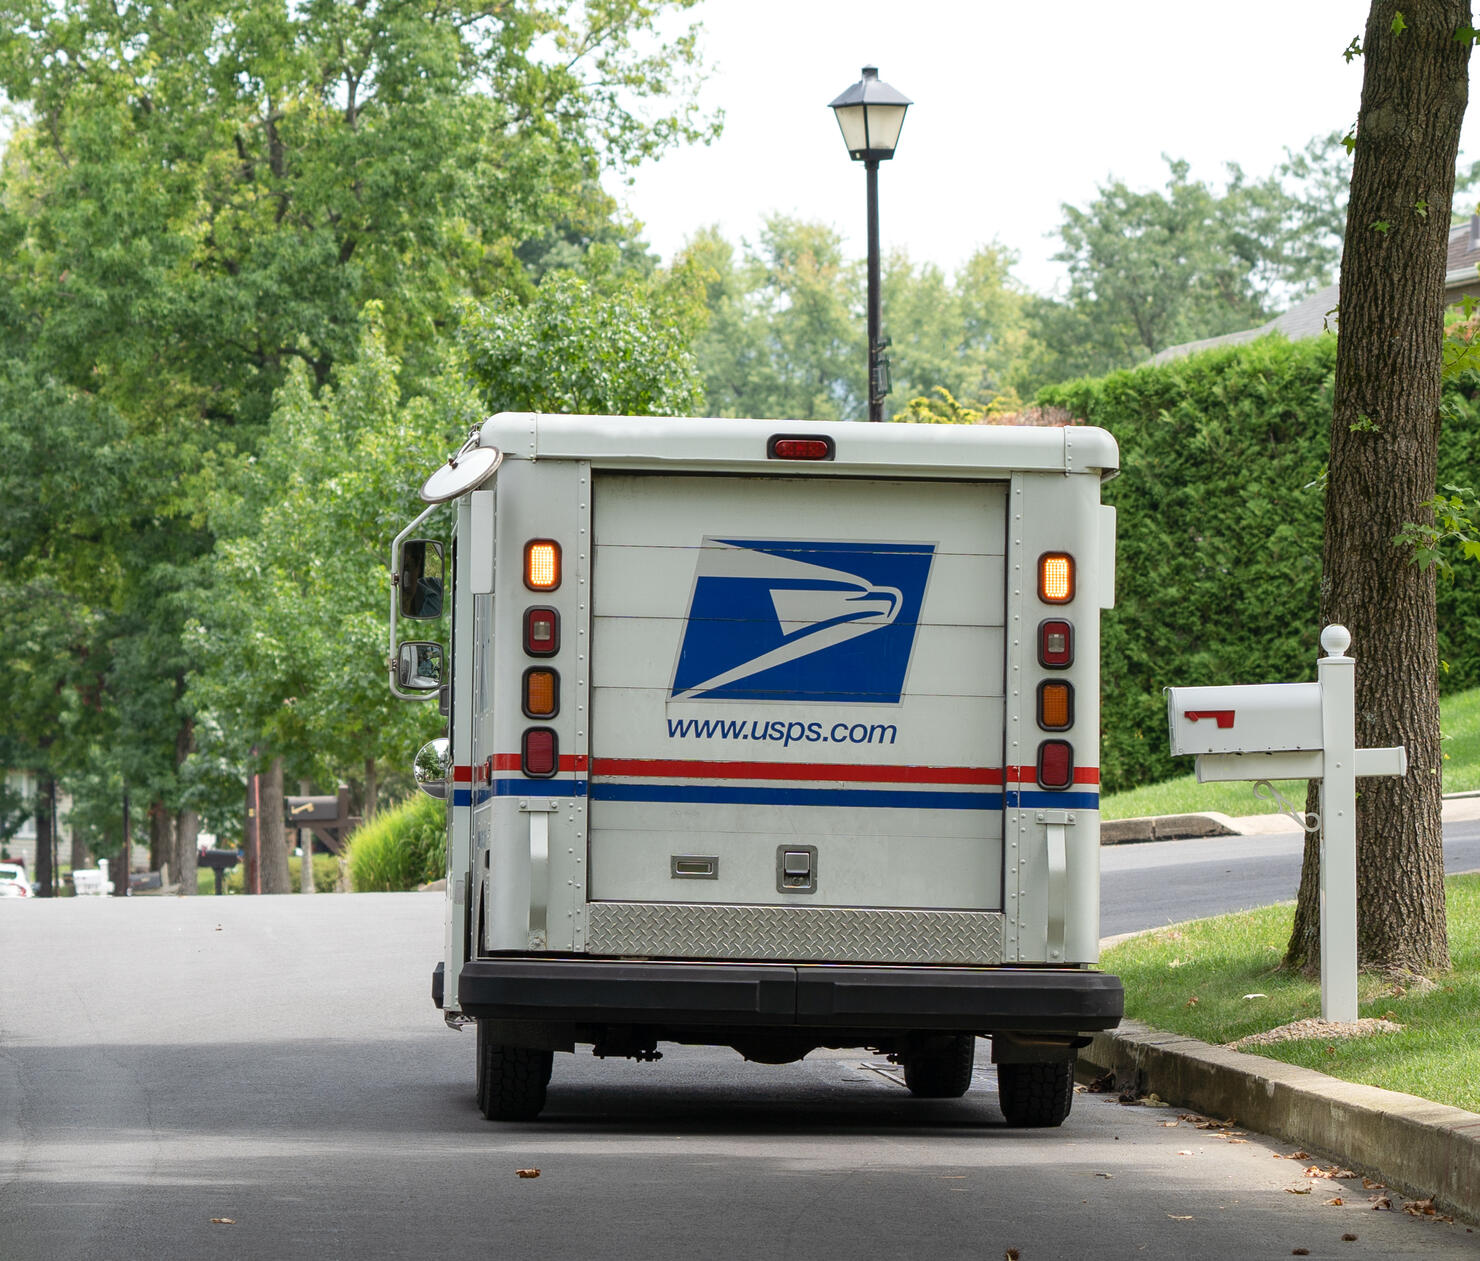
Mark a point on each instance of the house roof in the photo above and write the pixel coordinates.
(1314, 315)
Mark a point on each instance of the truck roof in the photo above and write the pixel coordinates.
(659, 442)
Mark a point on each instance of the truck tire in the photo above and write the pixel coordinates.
(511, 1079)
(1035, 1096)
(942, 1068)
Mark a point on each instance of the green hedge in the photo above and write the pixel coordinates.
(1219, 532)
(400, 848)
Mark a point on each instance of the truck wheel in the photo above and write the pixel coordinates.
(942, 1068)
(1035, 1096)
(511, 1079)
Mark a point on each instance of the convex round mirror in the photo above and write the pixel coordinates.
(433, 768)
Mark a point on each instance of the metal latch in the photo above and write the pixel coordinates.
(796, 869)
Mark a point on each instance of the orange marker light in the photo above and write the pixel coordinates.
(1055, 706)
(542, 564)
(541, 693)
(1056, 578)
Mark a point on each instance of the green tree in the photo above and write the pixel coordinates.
(614, 346)
(201, 197)
(1151, 269)
(786, 327)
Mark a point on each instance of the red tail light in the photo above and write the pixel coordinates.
(541, 632)
(541, 753)
(1055, 644)
(1055, 764)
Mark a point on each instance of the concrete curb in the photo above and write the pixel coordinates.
(1183, 827)
(1412, 1145)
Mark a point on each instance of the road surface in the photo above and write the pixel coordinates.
(266, 1077)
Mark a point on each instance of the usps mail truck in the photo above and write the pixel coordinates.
(769, 735)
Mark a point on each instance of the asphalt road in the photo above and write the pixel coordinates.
(276, 1062)
(1162, 882)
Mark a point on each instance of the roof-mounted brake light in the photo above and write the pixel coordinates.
(783, 446)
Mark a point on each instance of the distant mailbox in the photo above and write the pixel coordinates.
(1257, 718)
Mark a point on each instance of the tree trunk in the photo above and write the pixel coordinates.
(46, 788)
(187, 851)
(368, 806)
(274, 858)
(126, 852)
(305, 846)
(1384, 443)
(187, 822)
(80, 857)
(161, 837)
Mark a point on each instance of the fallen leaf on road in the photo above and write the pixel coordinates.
(1297, 1190)
(1299, 1155)
(1336, 1200)
(528, 1173)
(1098, 1175)
(1169, 1125)
(1184, 1153)
(1300, 1252)
(1420, 1208)
(1348, 1238)
(1173, 1216)
(1103, 1084)
(1382, 1203)
(1370, 1185)
(1010, 1255)
(1231, 1139)
(223, 1221)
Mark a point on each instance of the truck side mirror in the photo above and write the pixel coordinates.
(433, 767)
(421, 579)
(419, 666)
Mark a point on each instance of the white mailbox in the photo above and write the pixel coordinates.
(1263, 718)
(1297, 731)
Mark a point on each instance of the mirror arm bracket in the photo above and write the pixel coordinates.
(395, 604)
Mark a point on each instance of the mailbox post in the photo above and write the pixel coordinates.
(1297, 731)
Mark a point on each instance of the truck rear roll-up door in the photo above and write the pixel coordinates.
(787, 666)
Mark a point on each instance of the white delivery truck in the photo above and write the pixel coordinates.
(768, 735)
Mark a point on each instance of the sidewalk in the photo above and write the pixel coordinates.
(1413, 1145)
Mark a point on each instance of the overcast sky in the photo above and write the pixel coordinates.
(1018, 109)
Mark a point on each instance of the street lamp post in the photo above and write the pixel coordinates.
(870, 115)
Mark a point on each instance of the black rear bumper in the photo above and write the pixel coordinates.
(790, 996)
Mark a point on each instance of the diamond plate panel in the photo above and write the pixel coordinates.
(841, 934)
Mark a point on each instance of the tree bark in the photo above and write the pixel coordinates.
(46, 788)
(1384, 443)
(273, 835)
(305, 846)
(161, 837)
(187, 850)
(187, 822)
(80, 857)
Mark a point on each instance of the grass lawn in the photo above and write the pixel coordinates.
(1459, 722)
(1218, 979)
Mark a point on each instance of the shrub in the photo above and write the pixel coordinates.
(399, 848)
(1220, 508)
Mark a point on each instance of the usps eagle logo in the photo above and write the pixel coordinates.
(789, 620)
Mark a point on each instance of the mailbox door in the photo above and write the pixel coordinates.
(1261, 718)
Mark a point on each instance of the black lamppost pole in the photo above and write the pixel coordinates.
(870, 115)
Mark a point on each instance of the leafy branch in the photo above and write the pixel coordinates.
(1456, 521)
